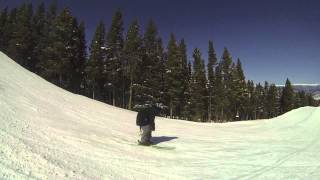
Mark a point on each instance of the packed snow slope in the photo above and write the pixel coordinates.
(49, 133)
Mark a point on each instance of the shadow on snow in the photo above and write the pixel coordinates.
(160, 139)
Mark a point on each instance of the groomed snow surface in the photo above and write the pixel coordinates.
(49, 133)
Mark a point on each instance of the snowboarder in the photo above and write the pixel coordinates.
(145, 119)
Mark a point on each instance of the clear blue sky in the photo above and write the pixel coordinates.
(274, 39)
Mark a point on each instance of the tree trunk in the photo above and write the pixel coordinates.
(93, 92)
(113, 96)
(222, 115)
(130, 93)
(123, 103)
(209, 108)
(123, 98)
(60, 80)
(171, 109)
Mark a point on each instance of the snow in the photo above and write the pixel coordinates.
(306, 84)
(316, 97)
(104, 48)
(299, 85)
(49, 133)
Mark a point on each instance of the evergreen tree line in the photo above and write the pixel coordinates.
(132, 70)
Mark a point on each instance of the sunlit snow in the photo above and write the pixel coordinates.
(49, 133)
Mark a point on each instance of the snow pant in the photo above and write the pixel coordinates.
(145, 134)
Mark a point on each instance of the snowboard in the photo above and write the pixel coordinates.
(155, 146)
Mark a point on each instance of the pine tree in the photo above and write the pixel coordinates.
(272, 101)
(302, 99)
(42, 27)
(95, 67)
(3, 24)
(51, 16)
(226, 72)
(219, 95)
(59, 50)
(311, 100)
(287, 98)
(187, 108)
(297, 100)
(226, 63)
(212, 61)
(174, 77)
(83, 56)
(114, 64)
(154, 61)
(238, 91)
(185, 80)
(161, 75)
(78, 58)
(40, 34)
(198, 88)
(259, 101)
(250, 107)
(265, 100)
(9, 30)
(233, 88)
(132, 54)
(149, 87)
(21, 44)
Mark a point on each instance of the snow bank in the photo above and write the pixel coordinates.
(49, 133)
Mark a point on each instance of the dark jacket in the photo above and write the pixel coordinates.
(146, 117)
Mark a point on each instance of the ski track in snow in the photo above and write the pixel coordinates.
(49, 133)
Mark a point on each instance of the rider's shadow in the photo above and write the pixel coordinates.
(160, 139)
